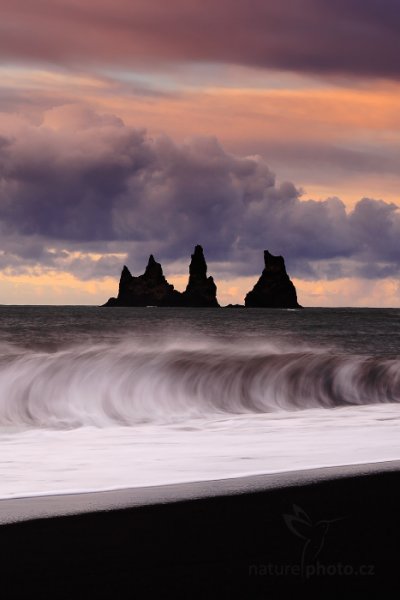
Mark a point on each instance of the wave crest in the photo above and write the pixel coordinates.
(138, 381)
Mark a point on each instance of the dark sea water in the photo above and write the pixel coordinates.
(93, 398)
(349, 330)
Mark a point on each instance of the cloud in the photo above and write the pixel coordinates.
(82, 191)
(328, 139)
(355, 37)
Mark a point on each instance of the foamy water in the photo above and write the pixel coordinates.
(154, 400)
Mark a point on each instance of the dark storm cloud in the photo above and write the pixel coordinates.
(356, 37)
(81, 182)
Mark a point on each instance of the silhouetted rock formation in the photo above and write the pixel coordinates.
(201, 290)
(152, 288)
(274, 288)
(149, 289)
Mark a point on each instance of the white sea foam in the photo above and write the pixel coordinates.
(38, 461)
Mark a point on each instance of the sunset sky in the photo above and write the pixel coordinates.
(130, 127)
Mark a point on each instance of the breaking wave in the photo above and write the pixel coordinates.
(162, 381)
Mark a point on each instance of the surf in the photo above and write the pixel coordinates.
(141, 380)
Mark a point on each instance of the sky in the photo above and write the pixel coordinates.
(130, 127)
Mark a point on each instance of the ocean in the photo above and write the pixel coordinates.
(107, 398)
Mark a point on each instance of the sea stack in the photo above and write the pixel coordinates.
(201, 290)
(149, 289)
(274, 289)
(152, 288)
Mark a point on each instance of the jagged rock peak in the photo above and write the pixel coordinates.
(152, 288)
(274, 289)
(198, 265)
(201, 290)
(125, 272)
(153, 269)
(125, 279)
(149, 289)
(274, 264)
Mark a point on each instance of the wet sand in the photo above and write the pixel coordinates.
(330, 530)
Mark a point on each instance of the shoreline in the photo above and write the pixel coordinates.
(328, 530)
(24, 508)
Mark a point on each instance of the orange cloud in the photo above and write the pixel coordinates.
(251, 114)
(294, 112)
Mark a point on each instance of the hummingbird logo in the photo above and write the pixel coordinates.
(313, 533)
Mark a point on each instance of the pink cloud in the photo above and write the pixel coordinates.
(346, 36)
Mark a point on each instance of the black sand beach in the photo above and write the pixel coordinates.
(328, 530)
